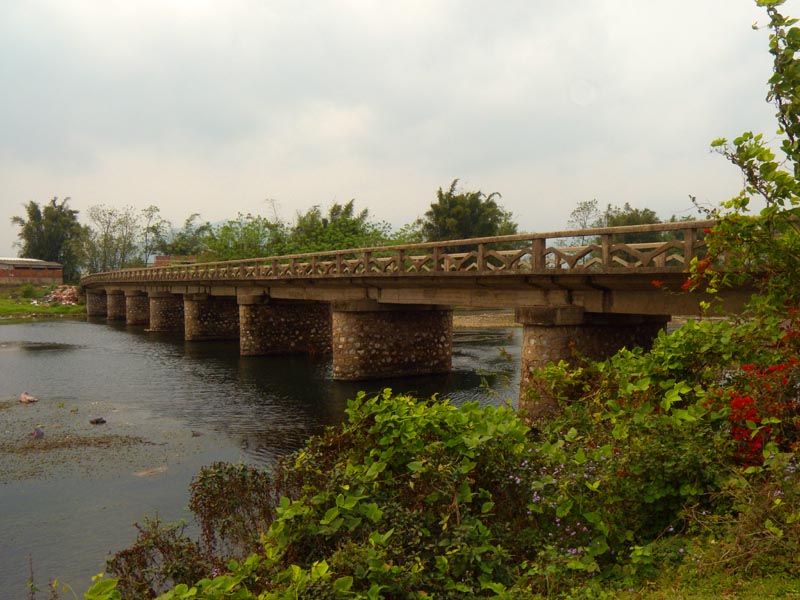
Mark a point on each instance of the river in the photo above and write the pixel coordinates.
(69, 499)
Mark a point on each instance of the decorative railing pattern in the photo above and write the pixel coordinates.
(522, 254)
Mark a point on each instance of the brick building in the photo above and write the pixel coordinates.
(30, 270)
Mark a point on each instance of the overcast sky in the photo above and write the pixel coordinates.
(215, 106)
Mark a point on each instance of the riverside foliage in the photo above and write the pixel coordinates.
(653, 462)
(421, 499)
(681, 460)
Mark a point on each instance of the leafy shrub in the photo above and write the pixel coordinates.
(408, 498)
(415, 498)
(234, 505)
(407, 495)
(161, 556)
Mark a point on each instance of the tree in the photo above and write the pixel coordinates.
(465, 215)
(340, 229)
(190, 240)
(154, 231)
(614, 216)
(52, 233)
(247, 236)
(410, 233)
(112, 239)
(585, 216)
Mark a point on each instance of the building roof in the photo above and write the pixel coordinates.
(28, 262)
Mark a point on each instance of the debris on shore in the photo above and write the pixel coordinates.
(63, 294)
(27, 398)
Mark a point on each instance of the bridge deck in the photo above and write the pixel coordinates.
(591, 268)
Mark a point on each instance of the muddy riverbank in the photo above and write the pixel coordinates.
(53, 439)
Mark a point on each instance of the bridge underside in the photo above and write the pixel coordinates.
(620, 293)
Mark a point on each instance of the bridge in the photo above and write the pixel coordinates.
(387, 311)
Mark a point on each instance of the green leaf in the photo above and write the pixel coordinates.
(374, 470)
(773, 529)
(372, 511)
(330, 515)
(467, 466)
(414, 466)
(343, 584)
(562, 510)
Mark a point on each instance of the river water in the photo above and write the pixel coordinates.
(170, 407)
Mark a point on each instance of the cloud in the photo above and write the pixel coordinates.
(201, 106)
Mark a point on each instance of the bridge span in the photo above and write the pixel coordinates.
(387, 311)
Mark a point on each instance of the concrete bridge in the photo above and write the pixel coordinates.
(387, 311)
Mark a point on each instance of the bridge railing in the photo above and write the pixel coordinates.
(605, 250)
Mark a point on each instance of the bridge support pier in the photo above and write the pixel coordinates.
(137, 308)
(372, 340)
(208, 317)
(115, 305)
(95, 304)
(166, 312)
(551, 334)
(269, 326)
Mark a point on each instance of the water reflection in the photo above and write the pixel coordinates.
(37, 346)
(271, 404)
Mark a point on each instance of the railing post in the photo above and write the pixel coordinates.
(481, 258)
(313, 265)
(401, 261)
(538, 249)
(437, 258)
(339, 263)
(689, 238)
(367, 262)
(606, 250)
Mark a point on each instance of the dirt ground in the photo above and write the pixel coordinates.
(69, 445)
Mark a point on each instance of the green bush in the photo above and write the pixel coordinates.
(407, 498)
(27, 290)
(413, 499)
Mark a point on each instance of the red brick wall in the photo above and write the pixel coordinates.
(32, 275)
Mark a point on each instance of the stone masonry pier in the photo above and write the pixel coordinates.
(166, 311)
(96, 304)
(208, 317)
(115, 305)
(372, 340)
(279, 327)
(137, 308)
(552, 334)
